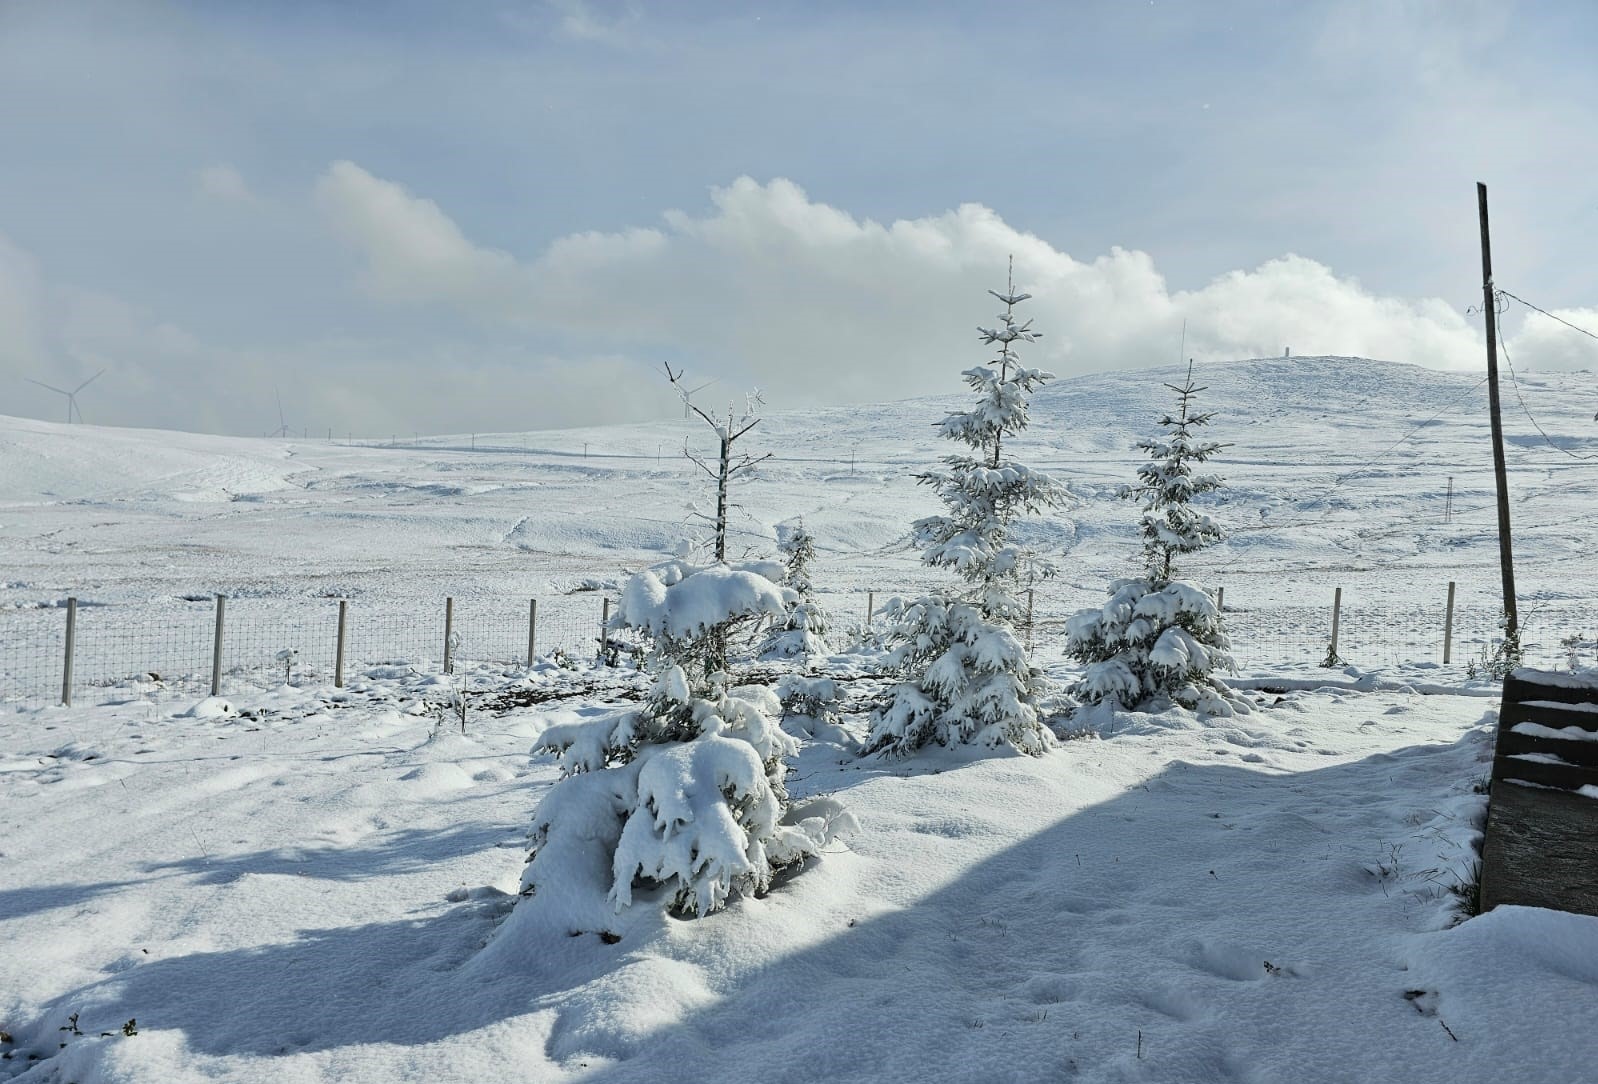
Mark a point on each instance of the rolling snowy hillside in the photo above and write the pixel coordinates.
(303, 883)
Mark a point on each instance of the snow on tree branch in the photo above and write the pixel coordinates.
(966, 677)
(1160, 639)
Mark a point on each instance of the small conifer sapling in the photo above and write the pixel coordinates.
(965, 674)
(1159, 639)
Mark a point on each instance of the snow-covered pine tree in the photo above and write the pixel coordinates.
(802, 633)
(966, 678)
(682, 797)
(1159, 639)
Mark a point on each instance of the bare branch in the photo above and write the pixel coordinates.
(749, 462)
(683, 393)
(700, 463)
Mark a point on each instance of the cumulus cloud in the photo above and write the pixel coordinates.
(162, 375)
(1548, 344)
(765, 288)
(817, 306)
(414, 252)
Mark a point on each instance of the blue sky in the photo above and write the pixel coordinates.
(429, 216)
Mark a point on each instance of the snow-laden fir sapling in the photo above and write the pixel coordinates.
(801, 633)
(682, 799)
(1159, 639)
(965, 674)
(812, 709)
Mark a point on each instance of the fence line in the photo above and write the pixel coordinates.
(120, 653)
(1368, 634)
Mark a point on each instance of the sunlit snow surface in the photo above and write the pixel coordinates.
(302, 892)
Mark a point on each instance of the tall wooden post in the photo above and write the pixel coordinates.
(1220, 599)
(532, 630)
(449, 635)
(1490, 311)
(604, 628)
(1337, 616)
(871, 605)
(66, 664)
(338, 657)
(1448, 626)
(216, 647)
(1029, 622)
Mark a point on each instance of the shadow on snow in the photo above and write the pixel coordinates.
(1212, 901)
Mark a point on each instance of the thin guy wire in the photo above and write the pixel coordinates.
(1341, 478)
(1550, 315)
(1515, 383)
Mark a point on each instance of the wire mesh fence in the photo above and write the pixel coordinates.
(122, 652)
(1372, 631)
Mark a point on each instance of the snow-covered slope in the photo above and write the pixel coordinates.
(1336, 464)
(304, 892)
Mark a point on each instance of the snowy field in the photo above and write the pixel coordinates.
(306, 885)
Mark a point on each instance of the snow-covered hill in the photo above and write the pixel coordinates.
(298, 885)
(1338, 464)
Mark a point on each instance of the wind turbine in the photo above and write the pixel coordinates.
(687, 395)
(282, 426)
(72, 396)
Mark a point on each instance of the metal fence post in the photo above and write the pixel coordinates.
(338, 659)
(66, 665)
(449, 635)
(1448, 624)
(1220, 599)
(871, 605)
(1337, 613)
(216, 647)
(604, 628)
(1029, 622)
(532, 629)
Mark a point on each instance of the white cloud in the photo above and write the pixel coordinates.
(766, 287)
(414, 252)
(224, 182)
(163, 375)
(1547, 344)
(818, 306)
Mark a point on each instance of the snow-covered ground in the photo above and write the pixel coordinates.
(308, 889)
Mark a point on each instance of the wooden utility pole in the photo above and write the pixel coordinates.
(1490, 311)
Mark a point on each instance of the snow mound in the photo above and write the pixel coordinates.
(212, 707)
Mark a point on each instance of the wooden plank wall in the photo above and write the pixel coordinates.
(1540, 847)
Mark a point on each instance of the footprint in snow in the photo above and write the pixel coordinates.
(1228, 961)
(1049, 989)
(1176, 1004)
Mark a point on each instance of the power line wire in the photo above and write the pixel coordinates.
(1514, 380)
(1515, 383)
(1370, 465)
(1550, 315)
(1407, 436)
